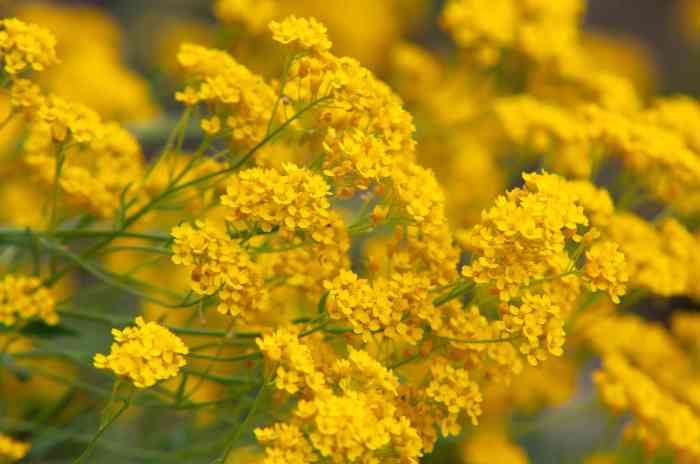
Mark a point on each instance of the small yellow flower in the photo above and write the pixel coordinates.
(606, 270)
(24, 45)
(146, 354)
(211, 126)
(307, 34)
(23, 297)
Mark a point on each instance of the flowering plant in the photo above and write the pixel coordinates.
(325, 265)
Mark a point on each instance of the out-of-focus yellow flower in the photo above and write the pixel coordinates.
(12, 450)
(25, 46)
(22, 297)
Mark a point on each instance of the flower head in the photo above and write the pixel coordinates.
(146, 354)
(23, 297)
(24, 45)
(307, 34)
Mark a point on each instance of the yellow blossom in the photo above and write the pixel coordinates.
(23, 297)
(294, 199)
(24, 46)
(606, 269)
(254, 15)
(218, 265)
(305, 33)
(146, 354)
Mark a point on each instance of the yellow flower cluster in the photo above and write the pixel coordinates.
(285, 444)
(218, 265)
(661, 156)
(293, 199)
(648, 374)
(396, 308)
(539, 30)
(349, 410)
(22, 297)
(146, 354)
(25, 46)
(538, 320)
(606, 270)
(525, 229)
(12, 450)
(25, 96)
(92, 72)
(306, 34)
(237, 101)
(96, 171)
(663, 258)
(296, 367)
(254, 15)
(366, 129)
(663, 419)
(340, 238)
(455, 393)
(522, 249)
(69, 121)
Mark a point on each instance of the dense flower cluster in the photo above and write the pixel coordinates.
(307, 34)
(23, 298)
(349, 411)
(237, 101)
(217, 264)
(145, 354)
(539, 30)
(663, 419)
(395, 308)
(26, 46)
(294, 199)
(606, 269)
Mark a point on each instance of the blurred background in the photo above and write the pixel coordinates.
(667, 30)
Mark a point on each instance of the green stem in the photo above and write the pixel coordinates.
(106, 422)
(456, 292)
(231, 443)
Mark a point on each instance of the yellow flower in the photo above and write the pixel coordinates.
(254, 15)
(455, 393)
(659, 417)
(23, 297)
(146, 354)
(296, 368)
(285, 444)
(26, 96)
(307, 34)
(230, 92)
(24, 45)
(396, 308)
(606, 269)
(12, 450)
(294, 199)
(69, 121)
(523, 232)
(218, 265)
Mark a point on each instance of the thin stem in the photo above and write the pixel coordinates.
(242, 426)
(106, 422)
(456, 292)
